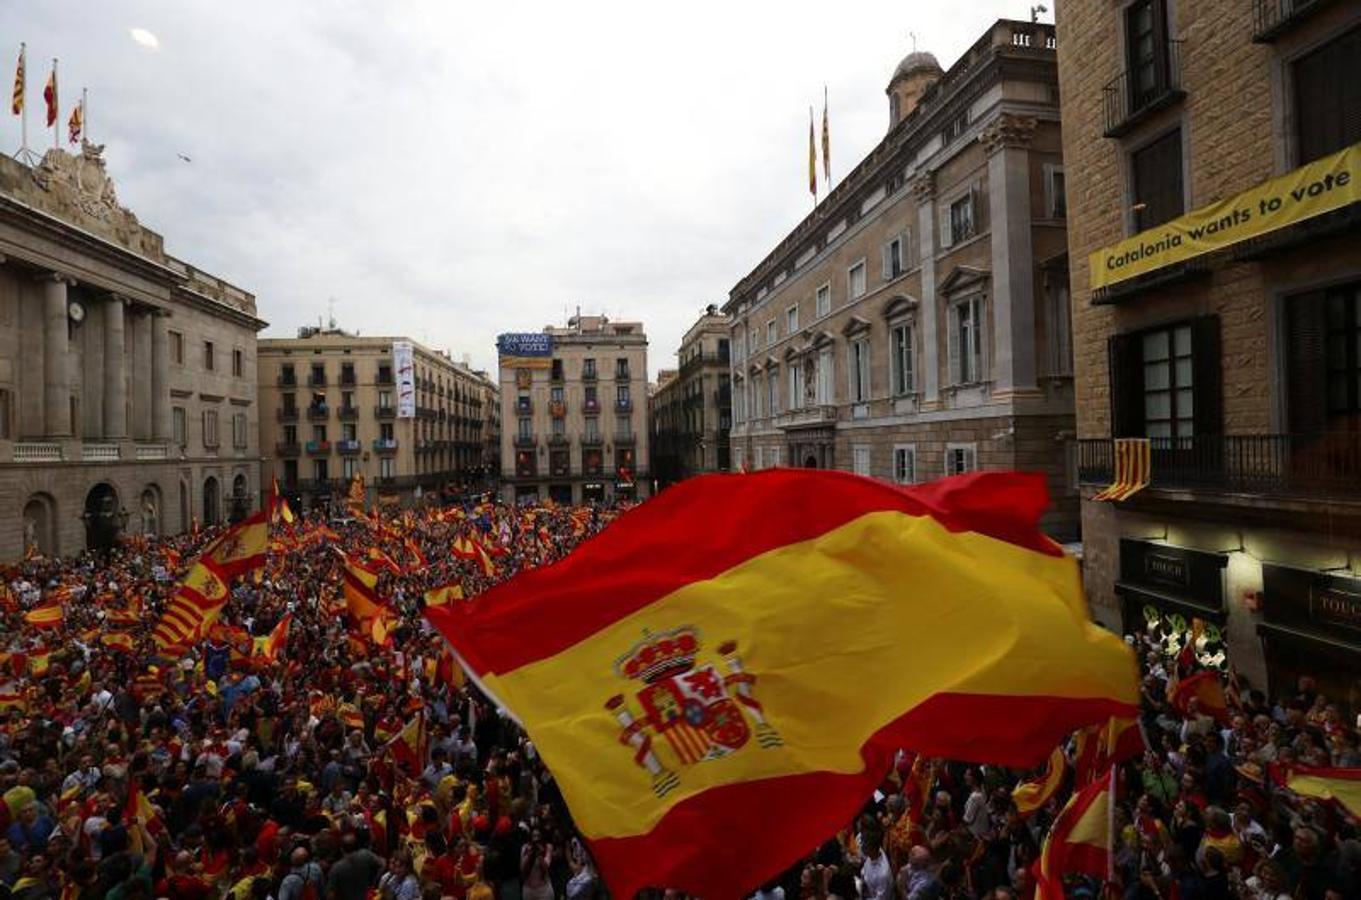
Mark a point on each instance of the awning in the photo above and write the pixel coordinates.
(1173, 603)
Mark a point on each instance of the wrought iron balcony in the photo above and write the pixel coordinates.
(348, 413)
(287, 379)
(318, 412)
(316, 379)
(623, 406)
(385, 412)
(557, 440)
(557, 409)
(588, 375)
(524, 440)
(1273, 18)
(347, 448)
(347, 378)
(284, 449)
(288, 414)
(385, 445)
(1314, 465)
(1140, 91)
(318, 448)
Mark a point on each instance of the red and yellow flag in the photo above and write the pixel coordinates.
(271, 645)
(812, 157)
(1342, 786)
(139, 807)
(1080, 840)
(1098, 747)
(382, 560)
(682, 669)
(16, 105)
(1208, 692)
(408, 745)
(441, 595)
(414, 549)
(1031, 796)
(118, 640)
(50, 96)
(12, 697)
(194, 607)
(75, 126)
(243, 548)
(48, 614)
(367, 610)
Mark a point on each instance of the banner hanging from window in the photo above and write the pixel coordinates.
(404, 361)
(528, 350)
(1321, 186)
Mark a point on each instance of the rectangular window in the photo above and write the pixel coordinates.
(966, 341)
(855, 280)
(208, 360)
(555, 394)
(900, 346)
(622, 397)
(1146, 51)
(773, 392)
(1056, 193)
(320, 470)
(759, 458)
(177, 348)
(791, 320)
(349, 466)
(960, 458)
(385, 399)
(623, 427)
(526, 427)
(290, 434)
(962, 224)
(905, 464)
(772, 334)
(824, 300)
(347, 373)
(349, 432)
(592, 429)
(559, 427)
(385, 373)
(774, 457)
(1157, 182)
(859, 370)
(1323, 356)
(860, 459)
(177, 425)
(1328, 97)
(290, 472)
(893, 258)
(239, 430)
(621, 369)
(387, 467)
(1168, 382)
(588, 368)
(824, 375)
(210, 428)
(5, 414)
(795, 386)
(319, 433)
(386, 432)
(238, 363)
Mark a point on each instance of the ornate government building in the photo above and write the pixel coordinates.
(127, 377)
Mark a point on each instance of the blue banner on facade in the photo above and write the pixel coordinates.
(525, 344)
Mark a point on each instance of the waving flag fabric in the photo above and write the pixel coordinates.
(367, 610)
(1208, 692)
(271, 645)
(760, 669)
(16, 105)
(1031, 796)
(49, 614)
(194, 607)
(443, 594)
(1340, 785)
(243, 548)
(50, 96)
(1098, 747)
(1079, 843)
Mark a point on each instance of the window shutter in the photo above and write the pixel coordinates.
(975, 213)
(1306, 355)
(946, 238)
(1207, 376)
(888, 267)
(952, 318)
(1126, 363)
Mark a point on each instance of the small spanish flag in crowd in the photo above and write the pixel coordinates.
(48, 614)
(1080, 840)
(681, 669)
(139, 807)
(271, 645)
(1206, 689)
(441, 595)
(243, 548)
(12, 697)
(1031, 796)
(1098, 747)
(119, 640)
(408, 745)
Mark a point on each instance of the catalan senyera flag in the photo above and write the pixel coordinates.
(118, 640)
(1339, 785)
(243, 548)
(16, 105)
(194, 607)
(48, 614)
(1133, 469)
(812, 157)
(1208, 692)
(271, 645)
(75, 126)
(441, 595)
(683, 669)
(1031, 796)
(1098, 747)
(50, 96)
(1080, 840)
(826, 142)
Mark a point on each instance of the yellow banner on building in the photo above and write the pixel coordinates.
(1312, 190)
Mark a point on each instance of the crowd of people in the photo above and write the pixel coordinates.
(223, 769)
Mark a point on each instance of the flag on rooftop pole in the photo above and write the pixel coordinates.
(812, 158)
(688, 677)
(826, 143)
(50, 97)
(16, 105)
(75, 126)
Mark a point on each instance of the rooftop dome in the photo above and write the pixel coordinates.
(914, 62)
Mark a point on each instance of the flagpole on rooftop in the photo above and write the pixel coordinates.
(25, 155)
(56, 106)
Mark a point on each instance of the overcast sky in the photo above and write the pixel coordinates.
(449, 170)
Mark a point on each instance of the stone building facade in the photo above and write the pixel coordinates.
(915, 324)
(692, 412)
(127, 377)
(574, 412)
(1240, 366)
(331, 409)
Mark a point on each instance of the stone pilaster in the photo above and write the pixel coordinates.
(160, 377)
(924, 190)
(1007, 142)
(56, 360)
(115, 374)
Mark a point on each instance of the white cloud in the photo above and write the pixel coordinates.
(450, 170)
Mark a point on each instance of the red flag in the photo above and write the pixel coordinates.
(50, 95)
(415, 551)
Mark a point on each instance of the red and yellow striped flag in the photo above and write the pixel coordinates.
(75, 126)
(49, 614)
(12, 697)
(756, 632)
(271, 645)
(812, 157)
(444, 594)
(139, 807)
(1342, 786)
(194, 607)
(1031, 796)
(243, 548)
(1133, 469)
(367, 610)
(118, 640)
(16, 105)
(1080, 840)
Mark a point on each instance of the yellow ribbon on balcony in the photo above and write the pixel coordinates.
(1133, 469)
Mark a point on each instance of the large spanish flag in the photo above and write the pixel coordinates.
(743, 655)
(194, 607)
(243, 548)
(1340, 785)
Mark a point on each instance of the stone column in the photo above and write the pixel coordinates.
(56, 361)
(115, 377)
(1007, 141)
(924, 190)
(160, 377)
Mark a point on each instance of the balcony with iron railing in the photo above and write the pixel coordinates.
(557, 409)
(385, 412)
(524, 406)
(625, 439)
(318, 412)
(1143, 89)
(589, 374)
(348, 413)
(590, 406)
(557, 440)
(347, 378)
(347, 448)
(285, 450)
(318, 448)
(384, 376)
(1324, 466)
(316, 379)
(1273, 18)
(287, 380)
(385, 445)
(591, 440)
(287, 413)
(524, 440)
(807, 416)
(623, 406)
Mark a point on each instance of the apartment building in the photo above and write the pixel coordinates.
(692, 411)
